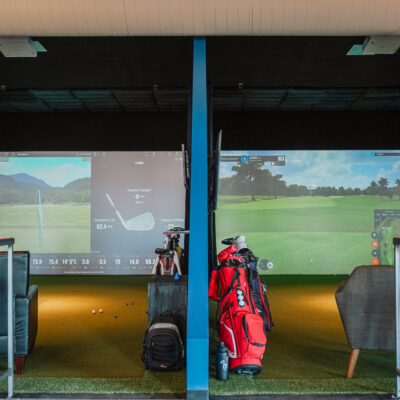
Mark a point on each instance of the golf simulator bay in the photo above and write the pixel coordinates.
(78, 352)
(92, 222)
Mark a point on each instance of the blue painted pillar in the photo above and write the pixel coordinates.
(197, 324)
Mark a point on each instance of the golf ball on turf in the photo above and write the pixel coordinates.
(101, 311)
(93, 311)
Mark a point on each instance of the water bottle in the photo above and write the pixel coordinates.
(222, 362)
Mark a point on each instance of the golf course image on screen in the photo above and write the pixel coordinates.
(311, 212)
(45, 203)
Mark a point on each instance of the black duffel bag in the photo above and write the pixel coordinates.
(163, 348)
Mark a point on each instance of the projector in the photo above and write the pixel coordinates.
(20, 47)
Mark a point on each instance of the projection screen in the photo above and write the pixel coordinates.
(90, 212)
(311, 212)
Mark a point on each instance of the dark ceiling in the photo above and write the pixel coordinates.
(139, 75)
(177, 100)
(257, 62)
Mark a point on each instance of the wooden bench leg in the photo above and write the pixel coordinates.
(352, 362)
(19, 364)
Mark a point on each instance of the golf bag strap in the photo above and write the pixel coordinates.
(213, 287)
(262, 298)
(235, 276)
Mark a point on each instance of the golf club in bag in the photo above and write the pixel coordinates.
(169, 256)
(241, 327)
(258, 289)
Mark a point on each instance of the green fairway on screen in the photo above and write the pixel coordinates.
(311, 212)
(45, 203)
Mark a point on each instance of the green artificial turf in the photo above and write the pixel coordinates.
(304, 235)
(150, 382)
(247, 385)
(175, 383)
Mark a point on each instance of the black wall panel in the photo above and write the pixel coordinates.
(93, 131)
(167, 131)
(309, 130)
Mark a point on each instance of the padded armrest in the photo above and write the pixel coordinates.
(21, 271)
(26, 321)
(33, 295)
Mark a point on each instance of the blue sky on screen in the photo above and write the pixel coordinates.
(347, 168)
(55, 171)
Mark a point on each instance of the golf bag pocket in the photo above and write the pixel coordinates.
(243, 334)
(163, 348)
(253, 328)
(227, 335)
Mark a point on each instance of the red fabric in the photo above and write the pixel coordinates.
(224, 254)
(241, 328)
(242, 331)
(213, 287)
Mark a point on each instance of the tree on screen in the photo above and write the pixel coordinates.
(397, 187)
(251, 179)
(248, 176)
(372, 189)
(383, 187)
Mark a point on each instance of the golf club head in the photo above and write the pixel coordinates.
(176, 229)
(227, 241)
(142, 222)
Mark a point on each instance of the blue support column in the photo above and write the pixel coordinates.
(197, 323)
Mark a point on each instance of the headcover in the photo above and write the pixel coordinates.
(240, 243)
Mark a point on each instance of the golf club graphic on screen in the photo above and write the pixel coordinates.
(40, 215)
(90, 212)
(312, 212)
(142, 222)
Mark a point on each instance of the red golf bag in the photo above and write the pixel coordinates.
(241, 328)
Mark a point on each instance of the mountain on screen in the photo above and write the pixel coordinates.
(78, 185)
(30, 180)
(7, 181)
